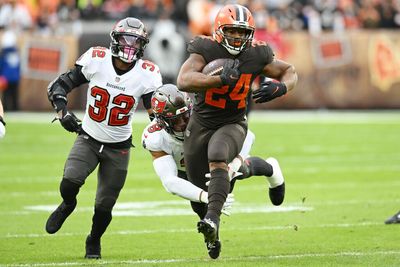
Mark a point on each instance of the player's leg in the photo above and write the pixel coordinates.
(223, 146)
(112, 174)
(80, 163)
(195, 154)
(255, 166)
(196, 163)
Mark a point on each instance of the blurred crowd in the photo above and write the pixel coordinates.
(172, 22)
(46, 16)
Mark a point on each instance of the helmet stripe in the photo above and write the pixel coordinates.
(240, 13)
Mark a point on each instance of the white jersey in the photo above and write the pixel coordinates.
(111, 98)
(155, 138)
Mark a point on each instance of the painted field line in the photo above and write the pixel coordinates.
(227, 259)
(192, 230)
(289, 116)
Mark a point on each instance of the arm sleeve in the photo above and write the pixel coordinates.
(166, 169)
(147, 100)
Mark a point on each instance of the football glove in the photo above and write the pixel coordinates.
(70, 122)
(230, 73)
(269, 90)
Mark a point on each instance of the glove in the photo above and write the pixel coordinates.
(230, 73)
(226, 208)
(70, 122)
(269, 90)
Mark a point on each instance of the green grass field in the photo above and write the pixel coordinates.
(342, 174)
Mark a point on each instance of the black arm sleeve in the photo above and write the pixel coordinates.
(147, 100)
(59, 88)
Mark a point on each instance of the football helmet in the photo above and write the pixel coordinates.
(240, 19)
(172, 109)
(128, 39)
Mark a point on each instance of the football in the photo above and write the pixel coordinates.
(215, 67)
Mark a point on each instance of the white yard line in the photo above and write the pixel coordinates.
(290, 116)
(192, 230)
(227, 259)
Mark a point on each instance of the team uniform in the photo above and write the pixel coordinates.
(220, 112)
(111, 102)
(171, 168)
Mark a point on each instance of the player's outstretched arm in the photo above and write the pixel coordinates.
(166, 169)
(191, 79)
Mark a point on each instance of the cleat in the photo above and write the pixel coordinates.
(57, 218)
(209, 229)
(277, 193)
(394, 219)
(214, 249)
(93, 248)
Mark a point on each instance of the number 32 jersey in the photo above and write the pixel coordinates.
(111, 98)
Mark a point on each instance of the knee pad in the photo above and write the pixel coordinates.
(218, 152)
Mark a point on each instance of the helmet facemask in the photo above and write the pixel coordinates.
(235, 44)
(128, 47)
(128, 40)
(172, 109)
(175, 125)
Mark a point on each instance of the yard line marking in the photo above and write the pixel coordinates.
(187, 230)
(271, 116)
(227, 259)
(168, 208)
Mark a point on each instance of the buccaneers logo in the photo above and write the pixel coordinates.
(158, 106)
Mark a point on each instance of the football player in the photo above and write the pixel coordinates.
(164, 137)
(218, 126)
(117, 80)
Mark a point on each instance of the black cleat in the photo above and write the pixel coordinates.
(209, 229)
(57, 218)
(93, 248)
(394, 219)
(277, 194)
(214, 249)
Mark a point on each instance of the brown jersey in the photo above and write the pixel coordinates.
(225, 105)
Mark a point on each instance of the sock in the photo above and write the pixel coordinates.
(217, 192)
(101, 219)
(69, 191)
(258, 167)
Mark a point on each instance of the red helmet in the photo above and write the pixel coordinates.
(128, 39)
(238, 17)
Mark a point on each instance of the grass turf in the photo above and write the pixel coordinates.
(342, 174)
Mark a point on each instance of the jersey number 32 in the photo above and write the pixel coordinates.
(118, 114)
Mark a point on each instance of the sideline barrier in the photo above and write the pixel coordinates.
(355, 70)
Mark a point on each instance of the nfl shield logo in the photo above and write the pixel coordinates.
(117, 79)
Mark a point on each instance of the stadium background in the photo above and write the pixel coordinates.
(346, 52)
(341, 167)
